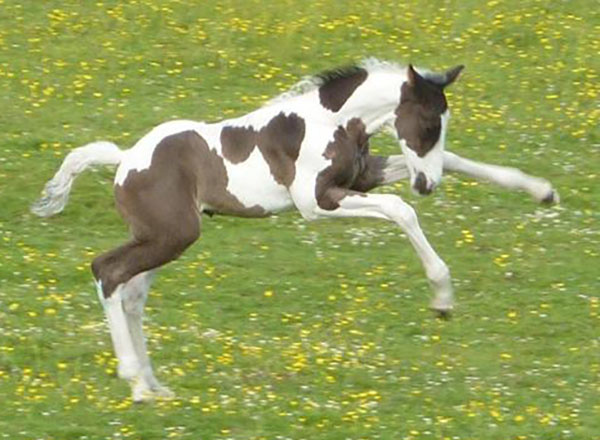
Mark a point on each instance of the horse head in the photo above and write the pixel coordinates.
(421, 119)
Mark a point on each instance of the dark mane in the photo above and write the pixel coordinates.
(349, 74)
(329, 76)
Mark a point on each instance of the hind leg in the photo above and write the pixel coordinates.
(160, 204)
(123, 288)
(129, 365)
(147, 386)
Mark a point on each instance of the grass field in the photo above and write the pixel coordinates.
(282, 329)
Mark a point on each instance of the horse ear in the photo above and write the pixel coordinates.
(443, 80)
(452, 75)
(412, 76)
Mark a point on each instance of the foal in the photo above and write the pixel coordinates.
(306, 149)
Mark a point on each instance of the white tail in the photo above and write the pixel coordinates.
(56, 191)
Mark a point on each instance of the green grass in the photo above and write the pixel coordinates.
(344, 347)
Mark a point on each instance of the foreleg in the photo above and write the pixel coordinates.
(507, 177)
(347, 203)
(381, 170)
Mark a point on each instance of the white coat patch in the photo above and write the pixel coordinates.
(252, 184)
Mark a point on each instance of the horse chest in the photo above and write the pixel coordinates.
(348, 154)
(347, 165)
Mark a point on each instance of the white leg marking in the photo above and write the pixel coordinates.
(507, 177)
(395, 170)
(393, 208)
(129, 365)
(147, 386)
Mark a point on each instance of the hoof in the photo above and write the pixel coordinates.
(151, 395)
(443, 315)
(442, 307)
(443, 312)
(142, 391)
(551, 199)
(127, 372)
(162, 392)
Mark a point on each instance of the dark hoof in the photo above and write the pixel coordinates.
(551, 199)
(444, 315)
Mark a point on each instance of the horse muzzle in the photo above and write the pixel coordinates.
(422, 185)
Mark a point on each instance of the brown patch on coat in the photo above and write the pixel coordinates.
(161, 206)
(418, 116)
(338, 86)
(237, 143)
(349, 155)
(279, 143)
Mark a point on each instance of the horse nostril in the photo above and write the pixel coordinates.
(421, 184)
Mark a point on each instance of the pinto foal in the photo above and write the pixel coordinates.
(307, 149)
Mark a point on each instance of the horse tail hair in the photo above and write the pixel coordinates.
(56, 192)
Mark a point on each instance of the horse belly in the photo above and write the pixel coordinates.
(252, 183)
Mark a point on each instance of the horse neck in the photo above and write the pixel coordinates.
(375, 101)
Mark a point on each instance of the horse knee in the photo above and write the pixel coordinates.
(404, 214)
(409, 216)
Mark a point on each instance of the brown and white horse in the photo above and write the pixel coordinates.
(306, 149)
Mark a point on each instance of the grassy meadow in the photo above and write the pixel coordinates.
(279, 329)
